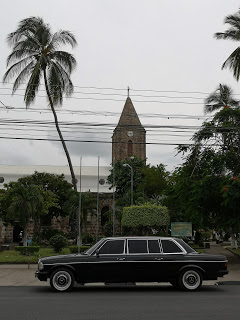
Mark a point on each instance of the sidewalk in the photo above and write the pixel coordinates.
(20, 275)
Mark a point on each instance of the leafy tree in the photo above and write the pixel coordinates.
(123, 178)
(54, 183)
(23, 203)
(198, 190)
(155, 180)
(222, 97)
(36, 54)
(232, 33)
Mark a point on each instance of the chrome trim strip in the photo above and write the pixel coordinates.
(116, 261)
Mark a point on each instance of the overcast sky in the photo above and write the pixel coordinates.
(161, 45)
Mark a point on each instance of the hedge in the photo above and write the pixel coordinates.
(146, 216)
(27, 250)
(74, 249)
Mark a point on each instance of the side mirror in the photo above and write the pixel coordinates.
(97, 253)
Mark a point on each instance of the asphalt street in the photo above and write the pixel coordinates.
(117, 302)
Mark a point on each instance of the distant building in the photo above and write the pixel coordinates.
(129, 139)
(129, 136)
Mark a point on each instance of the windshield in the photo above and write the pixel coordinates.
(94, 247)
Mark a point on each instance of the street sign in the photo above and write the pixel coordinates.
(181, 229)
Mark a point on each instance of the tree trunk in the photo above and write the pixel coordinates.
(25, 236)
(60, 133)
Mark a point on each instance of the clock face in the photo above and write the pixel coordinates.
(130, 133)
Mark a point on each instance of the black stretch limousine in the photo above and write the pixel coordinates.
(133, 259)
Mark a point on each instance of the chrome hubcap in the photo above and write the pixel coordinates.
(62, 280)
(191, 280)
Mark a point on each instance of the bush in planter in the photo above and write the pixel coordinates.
(74, 249)
(27, 250)
(58, 242)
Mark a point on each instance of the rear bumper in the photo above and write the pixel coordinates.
(221, 273)
(42, 276)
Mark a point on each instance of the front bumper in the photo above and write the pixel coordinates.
(41, 275)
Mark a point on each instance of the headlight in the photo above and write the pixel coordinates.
(40, 265)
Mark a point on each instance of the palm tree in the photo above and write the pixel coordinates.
(233, 33)
(222, 97)
(25, 203)
(35, 54)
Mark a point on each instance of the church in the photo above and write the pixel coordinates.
(128, 140)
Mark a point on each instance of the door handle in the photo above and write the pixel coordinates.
(158, 259)
(121, 259)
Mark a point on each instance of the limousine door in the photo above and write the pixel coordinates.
(108, 263)
(145, 260)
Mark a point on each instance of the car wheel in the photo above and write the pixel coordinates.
(190, 280)
(62, 280)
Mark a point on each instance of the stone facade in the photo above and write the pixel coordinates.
(129, 137)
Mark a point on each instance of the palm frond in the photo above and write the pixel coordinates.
(230, 34)
(33, 84)
(25, 28)
(20, 54)
(63, 37)
(65, 59)
(233, 63)
(23, 75)
(16, 68)
(222, 96)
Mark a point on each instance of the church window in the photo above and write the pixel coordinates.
(130, 148)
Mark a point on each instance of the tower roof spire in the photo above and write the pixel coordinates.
(129, 115)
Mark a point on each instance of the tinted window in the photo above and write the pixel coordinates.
(137, 246)
(185, 246)
(112, 247)
(153, 246)
(170, 247)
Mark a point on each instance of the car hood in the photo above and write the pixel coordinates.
(64, 258)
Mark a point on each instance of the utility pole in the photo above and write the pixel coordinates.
(79, 238)
(97, 201)
(113, 206)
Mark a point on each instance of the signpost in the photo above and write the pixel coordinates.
(181, 229)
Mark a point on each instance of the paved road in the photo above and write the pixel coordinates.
(115, 303)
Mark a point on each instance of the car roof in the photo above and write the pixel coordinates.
(139, 237)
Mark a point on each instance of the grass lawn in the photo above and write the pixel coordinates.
(12, 256)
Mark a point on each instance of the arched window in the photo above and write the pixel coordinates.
(130, 148)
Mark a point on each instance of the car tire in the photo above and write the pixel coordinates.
(190, 280)
(62, 280)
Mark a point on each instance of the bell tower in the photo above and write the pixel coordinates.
(129, 136)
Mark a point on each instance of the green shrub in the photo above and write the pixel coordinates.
(58, 242)
(74, 249)
(43, 238)
(27, 250)
(146, 216)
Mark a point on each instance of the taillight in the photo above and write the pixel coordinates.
(226, 264)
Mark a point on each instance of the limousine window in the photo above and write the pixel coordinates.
(112, 247)
(137, 246)
(153, 246)
(170, 247)
(185, 246)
